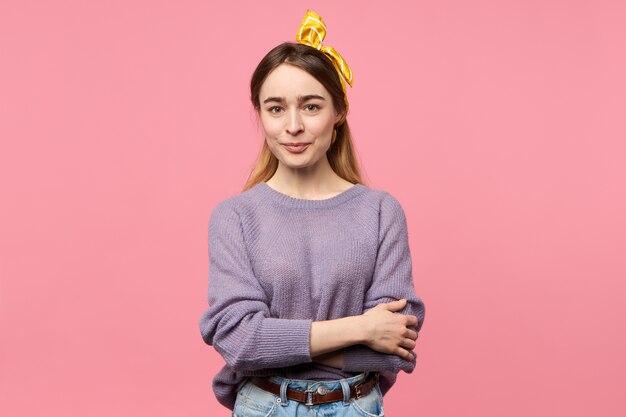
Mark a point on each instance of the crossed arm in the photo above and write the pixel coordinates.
(240, 327)
(381, 329)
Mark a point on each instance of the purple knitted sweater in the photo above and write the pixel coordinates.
(277, 263)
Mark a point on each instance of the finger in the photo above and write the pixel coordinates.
(411, 320)
(404, 354)
(407, 343)
(396, 305)
(411, 334)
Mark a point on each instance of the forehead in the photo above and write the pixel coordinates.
(290, 82)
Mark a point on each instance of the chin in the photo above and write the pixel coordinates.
(291, 164)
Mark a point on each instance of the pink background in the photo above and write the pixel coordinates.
(499, 125)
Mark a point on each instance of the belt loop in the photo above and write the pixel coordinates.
(283, 392)
(346, 391)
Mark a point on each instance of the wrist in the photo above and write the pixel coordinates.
(358, 327)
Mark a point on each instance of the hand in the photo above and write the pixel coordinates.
(388, 332)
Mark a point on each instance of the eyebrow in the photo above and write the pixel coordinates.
(301, 99)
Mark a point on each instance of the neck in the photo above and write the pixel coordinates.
(309, 182)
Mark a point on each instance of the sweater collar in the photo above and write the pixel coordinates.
(268, 193)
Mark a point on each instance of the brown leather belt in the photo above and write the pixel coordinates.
(321, 395)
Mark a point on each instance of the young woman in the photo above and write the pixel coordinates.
(311, 293)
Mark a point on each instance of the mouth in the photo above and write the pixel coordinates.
(296, 147)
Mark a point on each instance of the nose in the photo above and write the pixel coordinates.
(294, 123)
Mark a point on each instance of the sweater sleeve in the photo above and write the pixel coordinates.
(392, 280)
(238, 322)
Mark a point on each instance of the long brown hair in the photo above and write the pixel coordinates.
(341, 154)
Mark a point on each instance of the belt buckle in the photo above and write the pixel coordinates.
(309, 398)
(357, 387)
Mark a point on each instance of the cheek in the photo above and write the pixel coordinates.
(320, 126)
(271, 127)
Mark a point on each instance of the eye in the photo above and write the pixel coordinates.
(275, 109)
(312, 107)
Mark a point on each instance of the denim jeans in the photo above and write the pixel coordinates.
(253, 401)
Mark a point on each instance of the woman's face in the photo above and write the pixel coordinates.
(297, 114)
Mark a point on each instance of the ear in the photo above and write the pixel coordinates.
(339, 117)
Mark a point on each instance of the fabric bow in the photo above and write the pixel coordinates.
(312, 32)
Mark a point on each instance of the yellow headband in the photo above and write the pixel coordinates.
(312, 32)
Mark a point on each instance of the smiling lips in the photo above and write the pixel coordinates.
(296, 147)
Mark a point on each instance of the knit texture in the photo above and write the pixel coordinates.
(278, 263)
